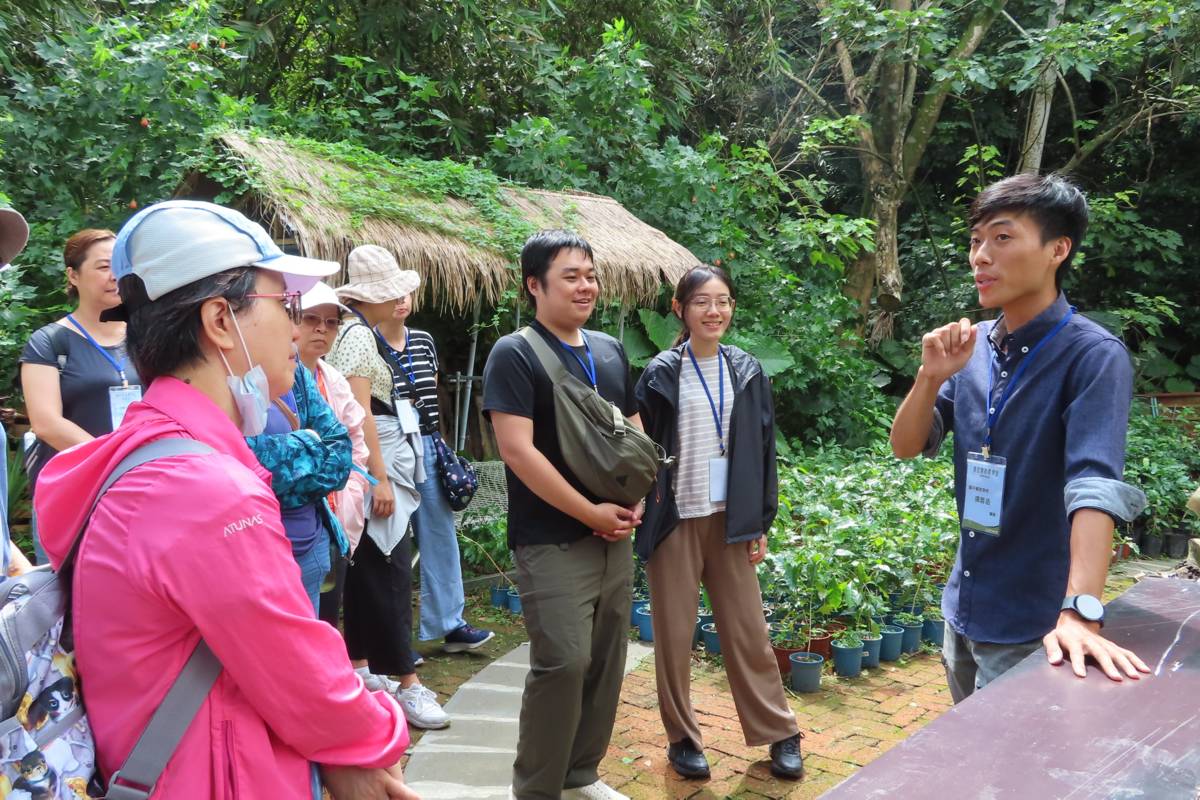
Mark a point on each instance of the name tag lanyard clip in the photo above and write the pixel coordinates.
(994, 411)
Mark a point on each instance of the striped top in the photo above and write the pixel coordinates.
(698, 440)
(424, 373)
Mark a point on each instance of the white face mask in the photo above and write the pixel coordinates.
(249, 391)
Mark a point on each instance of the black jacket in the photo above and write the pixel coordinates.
(753, 490)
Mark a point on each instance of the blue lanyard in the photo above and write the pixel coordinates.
(405, 358)
(119, 367)
(718, 414)
(589, 368)
(994, 411)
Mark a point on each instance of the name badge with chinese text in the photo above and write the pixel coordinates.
(985, 493)
(120, 398)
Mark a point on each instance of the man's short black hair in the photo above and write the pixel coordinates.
(541, 249)
(163, 335)
(1057, 205)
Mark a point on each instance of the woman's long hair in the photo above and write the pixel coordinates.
(687, 287)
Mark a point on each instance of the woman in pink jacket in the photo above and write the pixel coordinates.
(191, 546)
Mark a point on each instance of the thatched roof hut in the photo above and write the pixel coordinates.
(457, 225)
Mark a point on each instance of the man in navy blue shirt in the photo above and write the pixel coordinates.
(1039, 404)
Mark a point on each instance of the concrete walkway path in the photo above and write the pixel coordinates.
(472, 759)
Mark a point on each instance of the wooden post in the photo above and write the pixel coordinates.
(465, 410)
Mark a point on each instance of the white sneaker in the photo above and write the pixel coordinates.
(421, 707)
(377, 683)
(593, 791)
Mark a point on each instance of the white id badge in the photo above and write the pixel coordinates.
(120, 398)
(985, 493)
(410, 421)
(718, 479)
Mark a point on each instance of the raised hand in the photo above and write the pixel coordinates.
(946, 350)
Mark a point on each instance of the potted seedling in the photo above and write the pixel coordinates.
(912, 624)
(848, 654)
(502, 591)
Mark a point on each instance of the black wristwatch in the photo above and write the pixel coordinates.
(1087, 606)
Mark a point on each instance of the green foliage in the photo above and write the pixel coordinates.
(855, 526)
(1161, 458)
(483, 544)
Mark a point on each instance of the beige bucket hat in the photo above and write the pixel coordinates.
(373, 276)
(14, 233)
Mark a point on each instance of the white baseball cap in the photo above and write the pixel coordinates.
(320, 295)
(14, 233)
(172, 244)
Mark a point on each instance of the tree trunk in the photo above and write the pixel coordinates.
(1043, 95)
(887, 256)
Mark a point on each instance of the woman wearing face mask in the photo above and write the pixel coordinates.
(320, 321)
(378, 593)
(75, 373)
(191, 547)
(709, 405)
(442, 601)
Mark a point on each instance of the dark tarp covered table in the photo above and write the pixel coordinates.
(1040, 732)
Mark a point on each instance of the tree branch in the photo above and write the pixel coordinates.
(926, 115)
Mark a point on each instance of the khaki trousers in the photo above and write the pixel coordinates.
(576, 600)
(696, 551)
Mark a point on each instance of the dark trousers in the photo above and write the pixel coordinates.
(378, 607)
(576, 602)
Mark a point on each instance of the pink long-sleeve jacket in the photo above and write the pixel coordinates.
(191, 546)
(351, 501)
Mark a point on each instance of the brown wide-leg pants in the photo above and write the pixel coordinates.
(696, 551)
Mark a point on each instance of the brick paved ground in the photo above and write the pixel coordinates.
(846, 725)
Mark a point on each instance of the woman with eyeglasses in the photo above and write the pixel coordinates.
(709, 405)
(320, 321)
(309, 455)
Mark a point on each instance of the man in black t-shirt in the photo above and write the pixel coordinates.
(572, 549)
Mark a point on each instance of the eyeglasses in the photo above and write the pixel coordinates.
(291, 303)
(723, 302)
(313, 320)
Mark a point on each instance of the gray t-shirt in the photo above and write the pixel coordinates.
(84, 378)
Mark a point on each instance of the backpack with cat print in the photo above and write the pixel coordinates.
(46, 746)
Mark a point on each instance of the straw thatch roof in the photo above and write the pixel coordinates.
(325, 206)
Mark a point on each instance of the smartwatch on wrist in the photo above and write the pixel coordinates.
(1087, 606)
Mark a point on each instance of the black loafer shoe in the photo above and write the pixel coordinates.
(785, 758)
(687, 760)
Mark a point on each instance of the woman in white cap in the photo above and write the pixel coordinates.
(378, 592)
(186, 553)
(320, 321)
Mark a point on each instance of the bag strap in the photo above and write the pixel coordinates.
(144, 765)
(549, 359)
(559, 374)
(174, 715)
